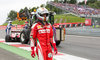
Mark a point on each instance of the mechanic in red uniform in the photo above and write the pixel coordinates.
(42, 34)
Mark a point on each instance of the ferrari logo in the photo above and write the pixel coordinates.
(39, 27)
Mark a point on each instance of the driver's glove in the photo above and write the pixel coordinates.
(32, 52)
(55, 49)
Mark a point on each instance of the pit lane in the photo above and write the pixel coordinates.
(6, 55)
(86, 46)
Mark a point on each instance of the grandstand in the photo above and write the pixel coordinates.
(78, 10)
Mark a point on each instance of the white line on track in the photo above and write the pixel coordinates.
(84, 36)
(68, 57)
(11, 43)
(26, 48)
(2, 39)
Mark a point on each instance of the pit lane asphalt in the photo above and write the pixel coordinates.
(81, 45)
(83, 42)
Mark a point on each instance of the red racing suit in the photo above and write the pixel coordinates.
(43, 34)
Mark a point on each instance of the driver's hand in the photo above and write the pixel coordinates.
(33, 54)
(55, 50)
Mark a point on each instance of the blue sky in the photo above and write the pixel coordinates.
(7, 5)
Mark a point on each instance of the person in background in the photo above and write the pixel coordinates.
(8, 29)
(26, 25)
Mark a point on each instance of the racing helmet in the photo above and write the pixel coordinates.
(41, 12)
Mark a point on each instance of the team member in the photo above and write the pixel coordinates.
(26, 25)
(8, 29)
(42, 35)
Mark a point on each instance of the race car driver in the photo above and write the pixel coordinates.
(42, 34)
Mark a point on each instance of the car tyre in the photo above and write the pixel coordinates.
(24, 38)
(57, 43)
(8, 38)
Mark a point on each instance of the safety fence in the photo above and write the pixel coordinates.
(57, 25)
(84, 31)
(67, 25)
(13, 27)
(88, 22)
(2, 27)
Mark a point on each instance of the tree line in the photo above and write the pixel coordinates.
(92, 3)
(12, 15)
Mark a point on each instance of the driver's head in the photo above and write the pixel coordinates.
(42, 14)
(10, 22)
(26, 22)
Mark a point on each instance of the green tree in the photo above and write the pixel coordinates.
(65, 1)
(95, 5)
(54, 9)
(26, 9)
(12, 15)
(73, 1)
(42, 5)
(91, 1)
(21, 10)
(55, 0)
(81, 3)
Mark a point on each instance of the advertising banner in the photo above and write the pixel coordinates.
(88, 22)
